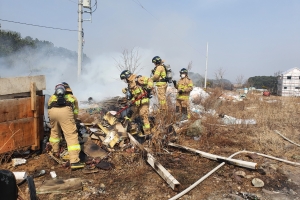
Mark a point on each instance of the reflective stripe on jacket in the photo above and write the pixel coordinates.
(69, 98)
(186, 86)
(159, 76)
(136, 92)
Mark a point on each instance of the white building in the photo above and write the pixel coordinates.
(289, 83)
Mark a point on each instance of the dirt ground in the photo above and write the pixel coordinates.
(133, 178)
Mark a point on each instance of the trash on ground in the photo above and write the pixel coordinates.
(257, 182)
(20, 175)
(231, 120)
(53, 174)
(58, 185)
(18, 161)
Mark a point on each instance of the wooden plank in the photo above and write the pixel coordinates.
(20, 95)
(241, 163)
(16, 134)
(14, 109)
(21, 84)
(173, 183)
(35, 116)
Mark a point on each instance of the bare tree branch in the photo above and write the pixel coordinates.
(130, 60)
(240, 80)
(219, 76)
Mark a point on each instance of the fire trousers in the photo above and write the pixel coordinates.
(161, 95)
(143, 112)
(62, 119)
(183, 103)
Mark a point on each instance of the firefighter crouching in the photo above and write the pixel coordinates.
(159, 78)
(62, 112)
(184, 87)
(140, 88)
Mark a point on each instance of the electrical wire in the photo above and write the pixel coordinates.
(139, 3)
(96, 4)
(72, 1)
(62, 29)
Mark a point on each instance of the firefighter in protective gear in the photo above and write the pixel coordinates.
(69, 91)
(62, 112)
(159, 78)
(184, 87)
(140, 88)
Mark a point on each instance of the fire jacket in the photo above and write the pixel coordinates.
(71, 101)
(159, 75)
(186, 86)
(138, 86)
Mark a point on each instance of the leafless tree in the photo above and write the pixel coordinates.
(130, 60)
(219, 76)
(277, 73)
(240, 80)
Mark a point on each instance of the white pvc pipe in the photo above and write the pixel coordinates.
(287, 138)
(220, 165)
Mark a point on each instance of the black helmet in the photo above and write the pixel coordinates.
(183, 71)
(125, 74)
(157, 60)
(65, 84)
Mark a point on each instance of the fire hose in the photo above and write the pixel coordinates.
(131, 103)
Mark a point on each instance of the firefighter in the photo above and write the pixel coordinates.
(159, 78)
(184, 87)
(140, 88)
(62, 112)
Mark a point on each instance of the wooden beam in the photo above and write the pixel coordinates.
(33, 96)
(21, 84)
(241, 163)
(35, 116)
(173, 183)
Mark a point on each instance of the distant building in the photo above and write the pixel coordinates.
(289, 83)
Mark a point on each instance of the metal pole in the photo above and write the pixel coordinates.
(206, 66)
(79, 37)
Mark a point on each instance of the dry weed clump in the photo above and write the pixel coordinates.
(213, 101)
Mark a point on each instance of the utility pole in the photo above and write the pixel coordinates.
(79, 37)
(206, 66)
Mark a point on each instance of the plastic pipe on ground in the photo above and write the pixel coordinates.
(220, 165)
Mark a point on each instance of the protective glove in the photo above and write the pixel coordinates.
(180, 92)
(124, 90)
(174, 83)
(149, 93)
(129, 103)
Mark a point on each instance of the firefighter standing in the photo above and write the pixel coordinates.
(184, 87)
(159, 78)
(62, 112)
(140, 88)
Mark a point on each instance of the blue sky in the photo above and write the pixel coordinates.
(245, 37)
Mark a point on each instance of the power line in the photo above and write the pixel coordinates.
(62, 29)
(72, 1)
(139, 3)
